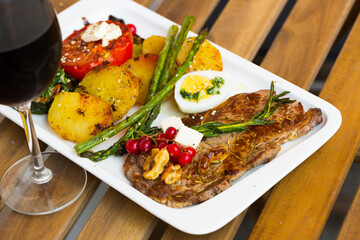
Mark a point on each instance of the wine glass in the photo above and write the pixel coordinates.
(30, 52)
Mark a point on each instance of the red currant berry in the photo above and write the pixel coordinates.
(184, 158)
(161, 136)
(146, 145)
(133, 146)
(145, 137)
(170, 132)
(158, 142)
(191, 151)
(132, 28)
(174, 151)
(161, 145)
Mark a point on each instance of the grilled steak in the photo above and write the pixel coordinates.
(221, 160)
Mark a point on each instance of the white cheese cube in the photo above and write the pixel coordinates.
(171, 122)
(188, 137)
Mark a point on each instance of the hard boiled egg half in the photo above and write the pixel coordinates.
(200, 91)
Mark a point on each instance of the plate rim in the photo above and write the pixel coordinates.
(179, 218)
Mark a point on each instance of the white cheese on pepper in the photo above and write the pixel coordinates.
(101, 31)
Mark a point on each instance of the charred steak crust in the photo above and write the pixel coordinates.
(221, 160)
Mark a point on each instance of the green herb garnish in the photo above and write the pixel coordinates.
(190, 96)
(213, 90)
(218, 81)
(213, 129)
(61, 82)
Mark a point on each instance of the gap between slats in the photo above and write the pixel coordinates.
(350, 228)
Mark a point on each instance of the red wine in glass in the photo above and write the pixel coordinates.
(30, 52)
(29, 59)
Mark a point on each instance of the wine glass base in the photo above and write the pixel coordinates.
(22, 195)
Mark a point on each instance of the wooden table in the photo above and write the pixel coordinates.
(299, 205)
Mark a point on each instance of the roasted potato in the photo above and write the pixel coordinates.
(116, 85)
(153, 44)
(78, 116)
(142, 67)
(207, 58)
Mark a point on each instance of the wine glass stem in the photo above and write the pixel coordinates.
(41, 174)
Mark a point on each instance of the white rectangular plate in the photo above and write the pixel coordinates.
(213, 214)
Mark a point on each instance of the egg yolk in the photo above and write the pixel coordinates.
(195, 83)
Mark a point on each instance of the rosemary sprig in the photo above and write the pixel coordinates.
(213, 129)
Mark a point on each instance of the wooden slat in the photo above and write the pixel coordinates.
(306, 38)
(301, 203)
(13, 147)
(177, 11)
(117, 217)
(145, 3)
(350, 228)
(226, 232)
(243, 25)
(60, 5)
